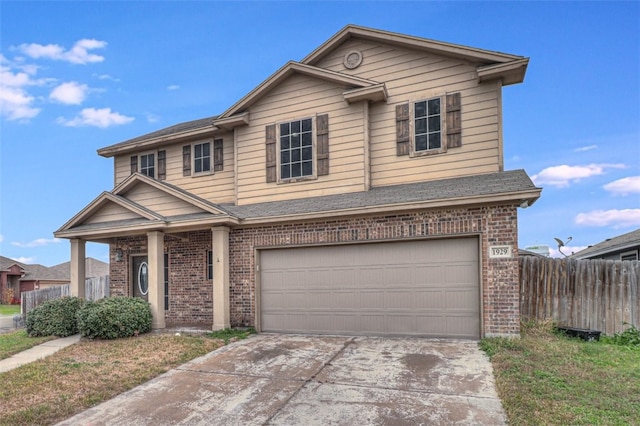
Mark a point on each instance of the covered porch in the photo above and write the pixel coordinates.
(165, 245)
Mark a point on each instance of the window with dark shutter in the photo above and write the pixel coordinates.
(218, 164)
(186, 160)
(134, 164)
(270, 147)
(162, 165)
(403, 137)
(322, 144)
(454, 121)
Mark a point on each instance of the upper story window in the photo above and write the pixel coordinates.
(148, 165)
(429, 126)
(199, 158)
(296, 149)
(202, 157)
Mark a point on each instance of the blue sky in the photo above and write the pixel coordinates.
(78, 76)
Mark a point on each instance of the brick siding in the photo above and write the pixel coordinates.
(191, 293)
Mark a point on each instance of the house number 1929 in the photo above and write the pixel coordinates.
(499, 251)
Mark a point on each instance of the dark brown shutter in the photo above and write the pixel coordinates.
(218, 163)
(134, 164)
(322, 144)
(162, 165)
(270, 137)
(402, 129)
(454, 121)
(186, 160)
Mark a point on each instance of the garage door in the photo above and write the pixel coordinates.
(421, 288)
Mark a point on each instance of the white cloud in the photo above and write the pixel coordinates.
(102, 118)
(563, 175)
(26, 260)
(40, 242)
(1, 238)
(71, 93)
(15, 101)
(106, 77)
(624, 186)
(173, 87)
(78, 54)
(585, 148)
(615, 218)
(567, 250)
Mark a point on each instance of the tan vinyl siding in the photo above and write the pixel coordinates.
(159, 202)
(111, 212)
(412, 76)
(301, 97)
(216, 187)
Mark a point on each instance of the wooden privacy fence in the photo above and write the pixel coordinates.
(593, 294)
(94, 288)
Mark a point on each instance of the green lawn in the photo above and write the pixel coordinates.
(548, 379)
(18, 341)
(9, 309)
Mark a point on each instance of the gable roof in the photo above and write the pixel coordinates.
(60, 272)
(289, 69)
(611, 245)
(142, 217)
(6, 263)
(479, 56)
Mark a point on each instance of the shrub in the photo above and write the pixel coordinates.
(55, 317)
(114, 317)
(629, 337)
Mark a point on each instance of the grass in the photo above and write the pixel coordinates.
(545, 378)
(89, 372)
(18, 341)
(9, 309)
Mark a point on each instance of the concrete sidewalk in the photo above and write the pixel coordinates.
(37, 352)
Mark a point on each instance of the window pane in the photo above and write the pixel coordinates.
(295, 170)
(306, 125)
(295, 155)
(143, 162)
(198, 151)
(198, 165)
(284, 142)
(434, 141)
(307, 153)
(206, 164)
(421, 142)
(295, 141)
(285, 171)
(295, 127)
(307, 168)
(420, 109)
(150, 172)
(284, 129)
(150, 159)
(205, 150)
(421, 125)
(284, 157)
(434, 124)
(306, 139)
(434, 106)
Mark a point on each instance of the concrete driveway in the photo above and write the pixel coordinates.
(316, 380)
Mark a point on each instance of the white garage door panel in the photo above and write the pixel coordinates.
(426, 288)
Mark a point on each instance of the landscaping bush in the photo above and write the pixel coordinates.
(55, 317)
(114, 317)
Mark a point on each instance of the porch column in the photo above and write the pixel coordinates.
(78, 275)
(155, 241)
(221, 303)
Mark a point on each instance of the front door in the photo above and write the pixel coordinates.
(140, 276)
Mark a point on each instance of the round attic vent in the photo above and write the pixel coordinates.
(353, 59)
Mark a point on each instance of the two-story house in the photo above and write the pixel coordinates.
(358, 191)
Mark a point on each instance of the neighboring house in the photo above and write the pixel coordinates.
(359, 191)
(22, 277)
(622, 247)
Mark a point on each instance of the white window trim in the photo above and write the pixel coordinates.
(193, 158)
(628, 253)
(314, 155)
(443, 125)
